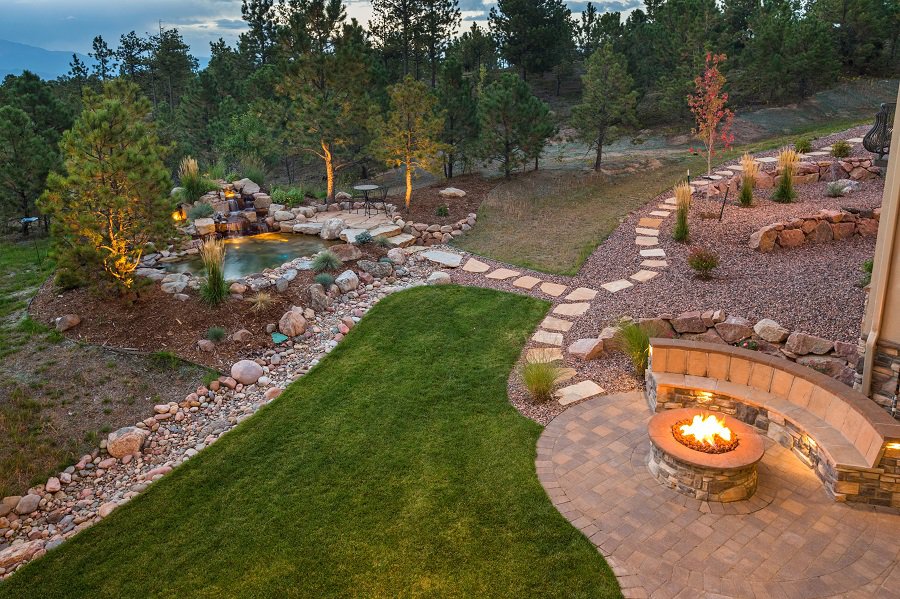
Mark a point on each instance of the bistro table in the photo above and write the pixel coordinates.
(365, 188)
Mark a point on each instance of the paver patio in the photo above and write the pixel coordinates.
(789, 541)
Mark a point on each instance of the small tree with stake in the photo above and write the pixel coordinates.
(707, 103)
(409, 136)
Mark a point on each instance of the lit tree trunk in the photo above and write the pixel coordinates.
(408, 183)
(329, 169)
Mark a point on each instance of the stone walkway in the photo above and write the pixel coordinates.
(788, 541)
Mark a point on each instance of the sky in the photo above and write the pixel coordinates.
(70, 25)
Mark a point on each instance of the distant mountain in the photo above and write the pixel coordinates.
(49, 64)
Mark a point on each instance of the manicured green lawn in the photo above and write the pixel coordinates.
(397, 467)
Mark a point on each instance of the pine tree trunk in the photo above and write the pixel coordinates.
(408, 185)
(599, 152)
(329, 170)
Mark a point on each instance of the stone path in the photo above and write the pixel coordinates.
(789, 541)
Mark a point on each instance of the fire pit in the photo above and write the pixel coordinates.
(710, 457)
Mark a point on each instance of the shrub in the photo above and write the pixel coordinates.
(165, 360)
(381, 241)
(749, 170)
(442, 210)
(214, 289)
(866, 268)
(194, 184)
(703, 261)
(217, 171)
(326, 260)
(200, 210)
(325, 280)
(215, 334)
(633, 340)
(841, 149)
(539, 378)
(289, 196)
(254, 171)
(261, 301)
(787, 162)
(803, 145)
(683, 206)
(835, 190)
(363, 238)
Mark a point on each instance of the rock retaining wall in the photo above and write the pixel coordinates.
(827, 225)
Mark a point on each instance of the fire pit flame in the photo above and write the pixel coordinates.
(707, 434)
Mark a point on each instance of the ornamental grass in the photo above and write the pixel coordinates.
(749, 171)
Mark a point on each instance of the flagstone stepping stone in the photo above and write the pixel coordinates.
(582, 294)
(473, 265)
(736, 167)
(725, 173)
(654, 253)
(387, 230)
(548, 338)
(855, 140)
(443, 258)
(641, 240)
(714, 177)
(401, 241)
(578, 391)
(661, 213)
(642, 276)
(767, 159)
(554, 289)
(654, 264)
(502, 274)
(556, 324)
(537, 355)
(818, 153)
(653, 223)
(576, 309)
(666, 207)
(526, 282)
(646, 231)
(565, 374)
(616, 286)
(670, 201)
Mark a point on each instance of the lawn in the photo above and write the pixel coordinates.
(551, 221)
(396, 467)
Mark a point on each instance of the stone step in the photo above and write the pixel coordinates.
(582, 294)
(443, 258)
(646, 240)
(654, 264)
(385, 231)
(616, 286)
(578, 392)
(543, 355)
(526, 282)
(402, 240)
(502, 274)
(476, 266)
(556, 324)
(654, 253)
(547, 338)
(349, 235)
(553, 289)
(642, 276)
(576, 309)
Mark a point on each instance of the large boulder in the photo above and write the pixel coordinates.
(331, 228)
(16, 554)
(346, 251)
(205, 226)
(378, 270)
(67, 321)
(246, 371)
(27, 504)
(283, 215)
(822, 233)
(452, 192)
(803, 343)
(791, 238)
(734, 329)
(174, 282)
(125, 441)
(586, 349)
(769, 330)
(292, 322)
(438, 278)
(318, 299)
(347, 281)
(246, 187)
(397, 256)
(688, 322)
(764, 239)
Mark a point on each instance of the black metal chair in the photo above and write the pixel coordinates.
(878, 139)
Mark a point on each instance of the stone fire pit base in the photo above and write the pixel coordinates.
(722, 477)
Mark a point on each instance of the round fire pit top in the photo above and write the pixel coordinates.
(749, 450)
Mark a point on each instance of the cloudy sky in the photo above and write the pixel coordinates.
(71, 24)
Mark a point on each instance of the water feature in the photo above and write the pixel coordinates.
(248, 255)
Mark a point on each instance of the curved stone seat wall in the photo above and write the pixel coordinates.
(851, 443)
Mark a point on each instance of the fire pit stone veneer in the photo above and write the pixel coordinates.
(721, 477)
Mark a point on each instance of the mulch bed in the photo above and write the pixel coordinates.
(425, 201)
(156, 321)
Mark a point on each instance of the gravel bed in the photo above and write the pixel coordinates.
(812, 288)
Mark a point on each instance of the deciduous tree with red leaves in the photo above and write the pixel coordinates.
(707, 104)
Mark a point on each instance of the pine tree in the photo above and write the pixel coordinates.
(533, 35)
(408, 138)
(104, 59)
(171, 68)
(397, 29)
(457, 99)
(327, 82)
(608, 100)
(514, 124)
(260, 40)
(440, 20)
(475, 49)
(132, 56)
(25, 160)
(114, 196)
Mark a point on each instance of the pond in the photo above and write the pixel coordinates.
(247, 255)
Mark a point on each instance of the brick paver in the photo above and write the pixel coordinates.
(790, 540)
